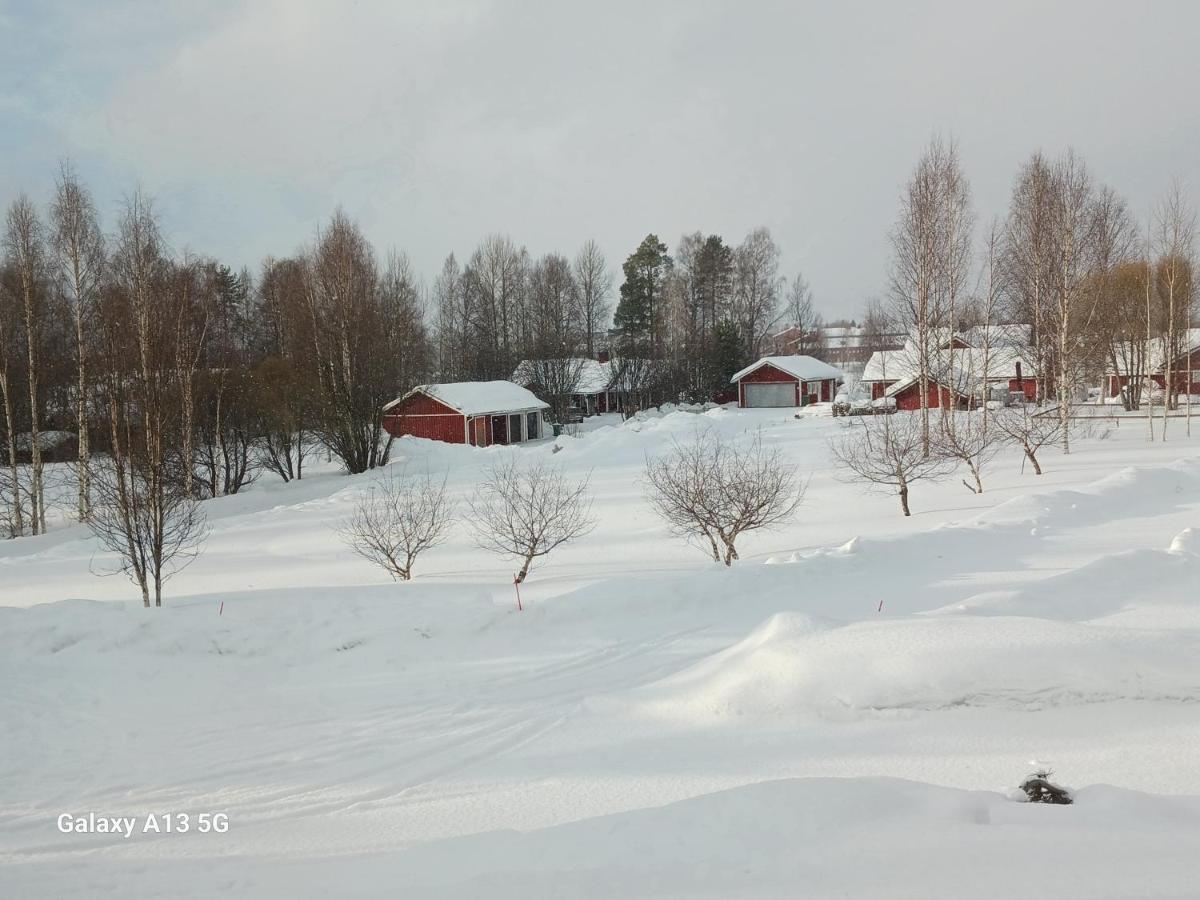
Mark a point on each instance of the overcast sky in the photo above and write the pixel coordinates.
(436, 124)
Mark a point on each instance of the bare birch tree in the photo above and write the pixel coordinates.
(594, 282)
(1175, 237)
(757, 285)
(9, 323)
(79, 266)
(142, 511)
(802, 315)
(24, 243)
(1027, 258)
(931, 258)
(1073, 245)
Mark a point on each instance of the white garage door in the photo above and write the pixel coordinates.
(771, 394)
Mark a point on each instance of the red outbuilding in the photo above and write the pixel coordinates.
(776, 381)
(481, 413)
(907, 394)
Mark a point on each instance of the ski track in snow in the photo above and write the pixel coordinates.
(371, 735)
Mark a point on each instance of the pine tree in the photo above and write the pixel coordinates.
(725, 356)
(639, 316)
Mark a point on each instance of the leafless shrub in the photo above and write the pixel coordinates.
(527, 511)
(888, 453)
(971, 440)
(712, 490)
(1030, 430)
(155, 528)
(396, 520)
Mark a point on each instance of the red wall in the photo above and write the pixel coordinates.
(1028, 385)
(910, 397)
(879, 388)
(422, 416)
(767, 374)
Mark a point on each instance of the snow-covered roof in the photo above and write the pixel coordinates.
(901, 365)
(888, 365)
(1152, 355)
(593, 377)
(1010, 335)
(477, 398)
(804, 368)
(960, 382)
(843, 336)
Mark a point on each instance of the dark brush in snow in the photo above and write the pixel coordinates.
(1039, 789)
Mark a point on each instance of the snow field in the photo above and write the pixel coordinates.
(843, 712)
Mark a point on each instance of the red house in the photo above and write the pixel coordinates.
(907, 394)
(480, 413)
(1186, 363)
(780, 381)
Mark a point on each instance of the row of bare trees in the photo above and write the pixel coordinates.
(176, 378)
(891, 453)
(518, 511)
(710, 490)
(1101, 297)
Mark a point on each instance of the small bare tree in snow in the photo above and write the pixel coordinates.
(888, 453)
(1029, 430)
(155, 529)
(527, 511)
(969, 439)
(396, 520)
(712, 490)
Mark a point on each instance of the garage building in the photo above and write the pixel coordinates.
(785, 381)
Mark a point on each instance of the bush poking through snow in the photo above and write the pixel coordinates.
(398, 519)
(712, 490)
(888, 453)
(1039, 789)
(1030, 429)
(527, 511)
(969, 439)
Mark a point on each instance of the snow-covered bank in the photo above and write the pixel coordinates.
(796, 838)
(651, 725)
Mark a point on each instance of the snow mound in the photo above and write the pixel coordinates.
(1143, 583)
(791, 669)
(1186, 542)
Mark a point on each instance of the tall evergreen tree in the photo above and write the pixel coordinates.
(639, 316)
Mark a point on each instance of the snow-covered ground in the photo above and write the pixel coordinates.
(844, 713)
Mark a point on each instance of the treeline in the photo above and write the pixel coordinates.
(682, 325)
(1068, 259)
(181, 377)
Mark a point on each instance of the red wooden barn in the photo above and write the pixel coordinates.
(907, 394)
(481, 413)
(776, 381)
